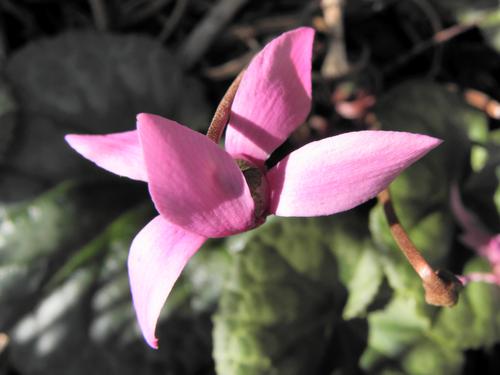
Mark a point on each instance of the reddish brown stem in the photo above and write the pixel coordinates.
(221, 116)
(441, 287)
(439, 38)
(483, 102)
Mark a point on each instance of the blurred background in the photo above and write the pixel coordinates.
(319, 296)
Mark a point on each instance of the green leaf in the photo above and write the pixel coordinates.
(429, 108)
(364, 284)
(432, 235)
(428, 357)
(86, 310)
(403, 331)
(8, 109)
(407, 335)
(65, 287)
(496, 196)
(400, 339)
(98, 82)
(286, 292)
(478, 132)
(420, 194)
(359, 266)
(88, 82)
(38, 236)
(480, 190)
(279, 301)
(205, 274)
(393, 329)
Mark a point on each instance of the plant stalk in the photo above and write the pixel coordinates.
(441, 287)
(221, 116)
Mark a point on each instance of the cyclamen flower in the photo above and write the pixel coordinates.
(476, 236)
(202, 191)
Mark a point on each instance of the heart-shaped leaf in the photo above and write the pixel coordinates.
(286, 291)
(88, 82)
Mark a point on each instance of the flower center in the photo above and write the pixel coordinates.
(257, 183)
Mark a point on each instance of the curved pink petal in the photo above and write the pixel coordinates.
(192, 181)
(341, 172)
(157, 256)
(119, 153)
(274, 97)
(475, 234)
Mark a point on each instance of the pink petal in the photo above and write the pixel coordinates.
(193, 182)
(157, 256)
(489, 278)
(339, 173)
(475, 234)
(492, 252)
(274, 97)
(119, 153)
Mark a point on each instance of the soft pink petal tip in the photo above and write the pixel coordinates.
(119, 153)
(157, 256)
(341, 172)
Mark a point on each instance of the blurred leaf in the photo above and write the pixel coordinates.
(205, 275)
(478, 132)
(84, 321)
(97, 83)
(496, 197)
(394, 329)
(403, 331)
(279, 301)
(479, 157)
(475, 321)
(420, 194)
(475, 122)
(285, 294)
(87, 82)
(402, 337)
(429, 108)
(359, 267)
(36, 237)
(432, 235)
(8, 108)
(65, 315)
(364, 284)
(428, 357)
(481, 187)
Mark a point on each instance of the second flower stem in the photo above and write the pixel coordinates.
(441, 287)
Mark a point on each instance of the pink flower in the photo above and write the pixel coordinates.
(479, 238)
(200, 191)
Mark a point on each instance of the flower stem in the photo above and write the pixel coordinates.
(221, 116)
(441, 287)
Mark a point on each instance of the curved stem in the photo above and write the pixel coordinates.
(221, 116)
(441, 287)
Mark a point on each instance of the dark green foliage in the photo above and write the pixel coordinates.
(422, 339)
(84, 82)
